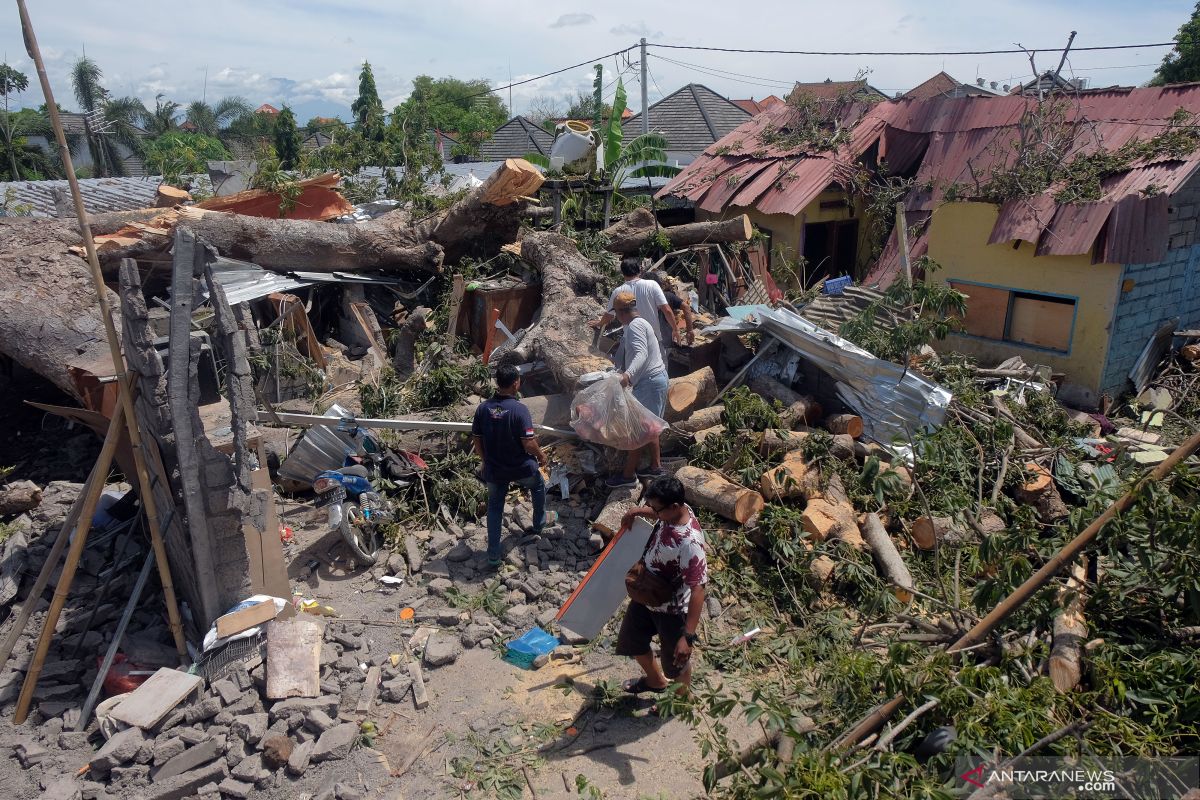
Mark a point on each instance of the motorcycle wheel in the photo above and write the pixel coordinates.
(360, 539)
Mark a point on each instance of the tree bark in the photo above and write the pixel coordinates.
(776, 441)
(1040, 492)
(823, 519)
(631, 234)
(792, 479)
(562, 338)
(701, 435)
(1070, 632)
(709, 490)
(887, 558)
(798, 408)
(689, 393)
(930, 532)
(699, 420)
(404, 358)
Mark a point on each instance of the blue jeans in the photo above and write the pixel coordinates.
(651, 392)
(495, 508)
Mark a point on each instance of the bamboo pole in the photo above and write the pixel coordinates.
(63, 588)
(145, 489)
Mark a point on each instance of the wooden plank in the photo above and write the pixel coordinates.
(987, 309)
(146, 705)
(246, 618)
(271, 574)
(420, 696)
(1042, 323)
(370, 691)
(294, 658)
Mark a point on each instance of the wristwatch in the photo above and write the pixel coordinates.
(690, 638)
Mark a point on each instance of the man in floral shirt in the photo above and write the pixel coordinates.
(676, 554)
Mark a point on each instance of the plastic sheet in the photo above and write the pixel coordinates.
(608, 413)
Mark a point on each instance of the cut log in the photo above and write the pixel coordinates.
(798, 409)
(887, 558)
(514, 182)
(1190, 352)
(794, 478)
(689, 393)
(930, 532)
(824, 519)
(704, 418)
(821, 573)
(618, 503)
(845, 423)
(18, 497)
(630, 235)
(772, 442)
(1040, 492)
(709, 490)
(1070, 632)
(701, 435)
(404, 357)
(166, 196)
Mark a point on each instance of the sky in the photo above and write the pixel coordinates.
(307, 53)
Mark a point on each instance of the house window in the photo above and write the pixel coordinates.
(1027, 318)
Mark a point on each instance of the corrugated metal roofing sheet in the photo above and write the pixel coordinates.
(960, 141)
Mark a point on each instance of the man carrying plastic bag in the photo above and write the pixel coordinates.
(608, 414)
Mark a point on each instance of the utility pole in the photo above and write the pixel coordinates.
(645, 92)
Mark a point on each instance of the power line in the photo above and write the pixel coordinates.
(720, 73)
(1019, 50)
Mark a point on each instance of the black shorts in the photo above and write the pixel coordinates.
(639, 627)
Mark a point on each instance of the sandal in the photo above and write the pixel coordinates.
(639, 686)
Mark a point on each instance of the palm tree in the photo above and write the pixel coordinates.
(211, 120)
(23, 159)
(163, 118)
(109, 123)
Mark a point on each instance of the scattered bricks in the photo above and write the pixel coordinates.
(165, 749)
(118, 750)
(546, 617)
(346, 639)
(240, 676)
(227, 690)
(171, 720)
(294, 709)
(438, 568)
(145, 753)
(516, 614)
(441, 650)
(329, 654)
(224, 718)
(206, 709)
(336, 742)
(209, 791)
(250, 728)
(298, 761)
(72, 740)
(188, 783)
(190, 759)
(277, 750)
(92, 790)
(130, 775)
(63, 789)
(232, 787)
(279, 728)
(459, 553)
(440, 586)
(318, 721)
(393, 691)
(248, 703)
(412, 551)
(251, 769)
(473, 634)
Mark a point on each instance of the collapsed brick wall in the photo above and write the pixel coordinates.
(1154, 294)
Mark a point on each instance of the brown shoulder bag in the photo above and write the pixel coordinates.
(643, 585)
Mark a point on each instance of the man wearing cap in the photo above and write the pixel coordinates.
(651, 302)
(639, 359)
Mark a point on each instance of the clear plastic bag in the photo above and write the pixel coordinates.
(608, 413)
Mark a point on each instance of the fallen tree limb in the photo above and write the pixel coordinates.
(631, 234)
(1070, 632)
(709, 490)
(887, 558)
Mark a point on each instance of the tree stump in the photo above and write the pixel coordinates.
(1040, 492)
(709, 490)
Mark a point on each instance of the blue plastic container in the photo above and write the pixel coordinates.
(525, 648)
(836, 285)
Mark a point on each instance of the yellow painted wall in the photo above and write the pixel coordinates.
(958, 242)
(786, 231)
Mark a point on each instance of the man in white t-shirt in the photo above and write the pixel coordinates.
(651, 302)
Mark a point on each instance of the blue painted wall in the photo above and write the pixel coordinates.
(1167, 290)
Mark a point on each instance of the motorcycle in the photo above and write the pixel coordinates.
(354, 508)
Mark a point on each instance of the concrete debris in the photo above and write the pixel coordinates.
(336, 742)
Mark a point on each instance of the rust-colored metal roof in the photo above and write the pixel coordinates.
(958, 142)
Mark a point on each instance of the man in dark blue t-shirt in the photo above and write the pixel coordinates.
(503, 437)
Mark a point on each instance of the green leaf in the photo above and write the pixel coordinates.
(612, 132)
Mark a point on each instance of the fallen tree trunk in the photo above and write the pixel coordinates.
(776, 441)
(704, 418)
(688, 393)
(794, 478)
(1040, 492)
(1070, 632)
(562, 338)
(709, 490)
(631, 234)
(931, 532)
(798, 408)
(887, 558)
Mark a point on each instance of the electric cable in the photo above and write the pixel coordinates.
(1020, 50)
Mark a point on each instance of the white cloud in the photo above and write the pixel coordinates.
(571, 20)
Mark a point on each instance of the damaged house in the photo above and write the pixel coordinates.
(1073, 261)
